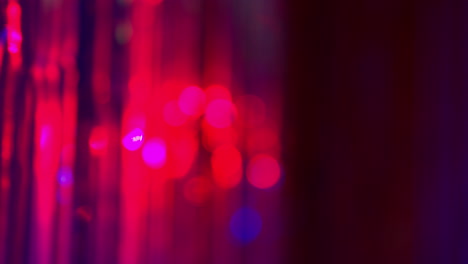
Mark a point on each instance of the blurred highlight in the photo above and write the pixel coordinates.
(126, 131)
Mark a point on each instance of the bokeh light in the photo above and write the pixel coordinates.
(65, 176)
(183, 152)
(263, 140)
(14, 40)
(52, 72)
(245, 225)
(226, 163)
(263, 171)
(133, 140)
(220, 113)
(126, 131)
(45, 136)
(215, 92)
(173, 115)
(13, 10)
(214, 137)
(98, 140)
(154, 153)
(192, 101)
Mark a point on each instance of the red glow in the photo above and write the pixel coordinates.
(52, 72)
(184, 151)
(153, 2)
(214, 137)
(198, 190)
(98, 140)
(220, 113)
(139, 89)
(227, 166)
(192, 101)
(133, 119)
(68, 154)
(173, 115)
(111, 132)
(154, 153)
(215, 92)
(261, 141)
(13, 10)
(263, 171)
(4, 183)
(37, 72)
(84, 213)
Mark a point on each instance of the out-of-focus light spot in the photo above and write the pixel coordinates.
(198, 190)
(98, 140)
(173, 115)
(14, 40)
(184, 150)
(226, 163)
(245, 225)
(133, 140)
(215, 92)
(220, 113)
(192, 101)
(154, 153)
(123, 33)
(37, 72)
(132, 120)
(5, 183)
(45, 136)
(84, 213)
(52, 72)
(65, 176)
(263, 171)
(13, 11)
(251, 110)
(213, 137)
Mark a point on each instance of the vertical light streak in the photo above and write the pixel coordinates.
(67, 39)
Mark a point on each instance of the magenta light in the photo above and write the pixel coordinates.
(220, 113)
(154, 153)
(133, 140)
(192, 101)
(263, 171)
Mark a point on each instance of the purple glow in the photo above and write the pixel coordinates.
(246, 225)
(133, 140)
(14, 41)
(154, 153)
(65, 176)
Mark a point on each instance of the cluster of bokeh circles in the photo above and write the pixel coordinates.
(231, 132)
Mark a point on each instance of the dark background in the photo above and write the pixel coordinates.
(377, 125)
